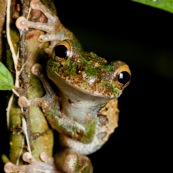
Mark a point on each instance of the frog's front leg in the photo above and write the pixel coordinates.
(55, 31)
(57, 119)
(46, 165)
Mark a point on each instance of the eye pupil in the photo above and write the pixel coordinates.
(61, 51)
(123, 77)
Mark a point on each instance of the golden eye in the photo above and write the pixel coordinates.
(123, 75)
(63, 49)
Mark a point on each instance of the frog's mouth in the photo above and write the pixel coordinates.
(75, 93)
(93, 89)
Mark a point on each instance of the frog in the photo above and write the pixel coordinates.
(80, 101)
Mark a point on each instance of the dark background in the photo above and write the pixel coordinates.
(142, 37)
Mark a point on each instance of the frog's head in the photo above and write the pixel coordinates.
(87, 72)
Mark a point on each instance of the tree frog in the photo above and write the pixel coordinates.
(83, 108)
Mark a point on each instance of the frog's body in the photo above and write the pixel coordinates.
(85, 113)
(84, 107)
(86, 84)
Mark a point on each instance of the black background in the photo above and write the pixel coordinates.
(142, 37)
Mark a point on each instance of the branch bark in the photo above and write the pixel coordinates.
(29, 130)
(3, 4)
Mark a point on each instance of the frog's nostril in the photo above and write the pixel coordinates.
(123, 77)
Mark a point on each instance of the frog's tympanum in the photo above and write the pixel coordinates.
(84, 110)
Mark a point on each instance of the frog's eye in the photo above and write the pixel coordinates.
(124, 77)
(63, 49)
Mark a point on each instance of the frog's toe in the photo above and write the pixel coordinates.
(44, 165)
(41, 38)
(21, 23)
(75, 162)
(23, 101)
(27, 157)
(70, 163)
(10, 168)
(46, 159)
(35, 4)
(44, 38)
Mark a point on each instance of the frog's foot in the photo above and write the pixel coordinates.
(73, 162)
(23, 23)
(45, 102)
(37, 5)
(52, 26)
(46, 165)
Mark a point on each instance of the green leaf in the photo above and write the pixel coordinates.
(6, 79)
(166, 5)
